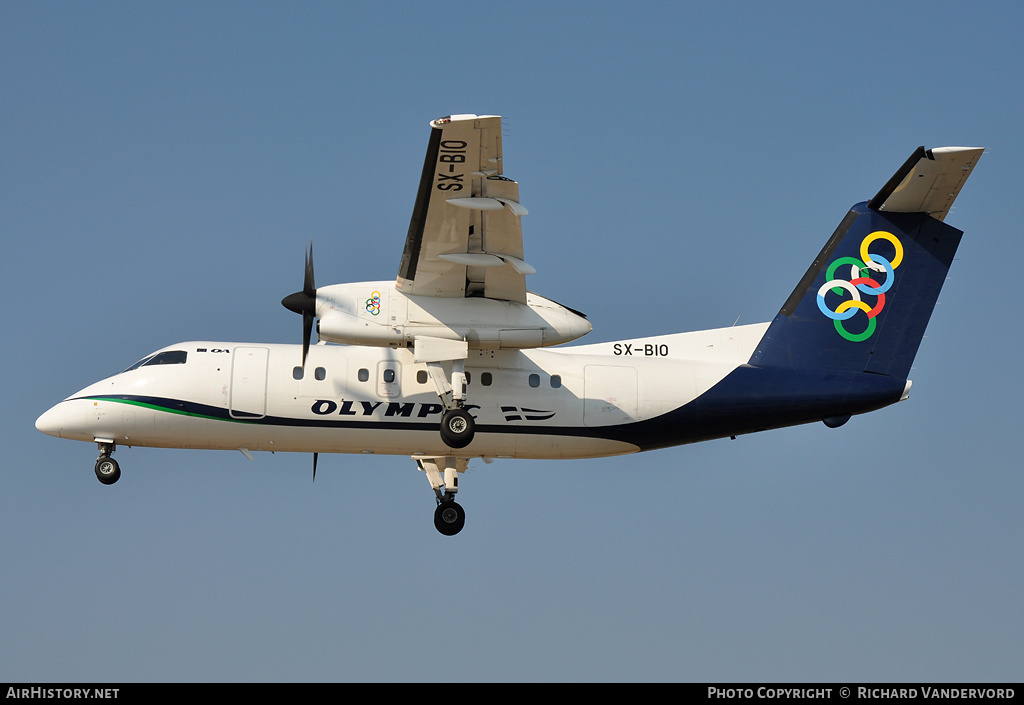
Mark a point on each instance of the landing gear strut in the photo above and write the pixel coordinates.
(107, 470)
(449, 517)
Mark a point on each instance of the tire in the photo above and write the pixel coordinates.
(107, 471)
(449, 518)
(457, 428)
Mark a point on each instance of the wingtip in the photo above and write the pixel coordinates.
(950, 150)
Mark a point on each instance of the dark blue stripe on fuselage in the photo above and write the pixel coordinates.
(752, 399)
(748, 400)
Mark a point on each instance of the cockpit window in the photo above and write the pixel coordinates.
(140, 363)
(170, 357)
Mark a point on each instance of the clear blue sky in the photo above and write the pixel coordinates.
(164, 165)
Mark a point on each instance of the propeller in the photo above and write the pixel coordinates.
(304, 302)
(315, 455)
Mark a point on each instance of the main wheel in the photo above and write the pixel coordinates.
(107, 470)
(457, 428)
(449, 518)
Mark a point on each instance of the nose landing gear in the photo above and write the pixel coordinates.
(449, 517)
(107, 470)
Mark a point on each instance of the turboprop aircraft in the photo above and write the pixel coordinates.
(453, 360)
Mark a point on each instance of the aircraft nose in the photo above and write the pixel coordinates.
(51, 420)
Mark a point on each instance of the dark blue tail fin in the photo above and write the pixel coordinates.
(865, 301)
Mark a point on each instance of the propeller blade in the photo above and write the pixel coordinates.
(304, 302)
(315, 456)
(308, 282)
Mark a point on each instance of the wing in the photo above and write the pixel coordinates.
(465, 237)
(928, 182)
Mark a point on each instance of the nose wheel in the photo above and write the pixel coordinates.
(449, 517)
(107, 470)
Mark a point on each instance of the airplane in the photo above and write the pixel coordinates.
(455, 360)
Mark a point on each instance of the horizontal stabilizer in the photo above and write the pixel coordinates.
(928, 182)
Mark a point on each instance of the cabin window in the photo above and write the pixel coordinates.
(363, 375)
(320, 373)
(486, 379)
(421, 376)
(297, 373)
(556, 381)
(388, 384)
(534, 380)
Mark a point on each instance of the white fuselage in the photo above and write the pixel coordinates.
(541, 403)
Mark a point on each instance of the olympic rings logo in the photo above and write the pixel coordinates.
(860, 282)
(373, 304)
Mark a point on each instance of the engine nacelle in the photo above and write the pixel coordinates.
(376, 313)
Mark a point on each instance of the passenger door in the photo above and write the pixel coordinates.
(248, 398)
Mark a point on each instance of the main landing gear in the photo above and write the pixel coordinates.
(457, 425)
(443, 474)
(107, 470)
